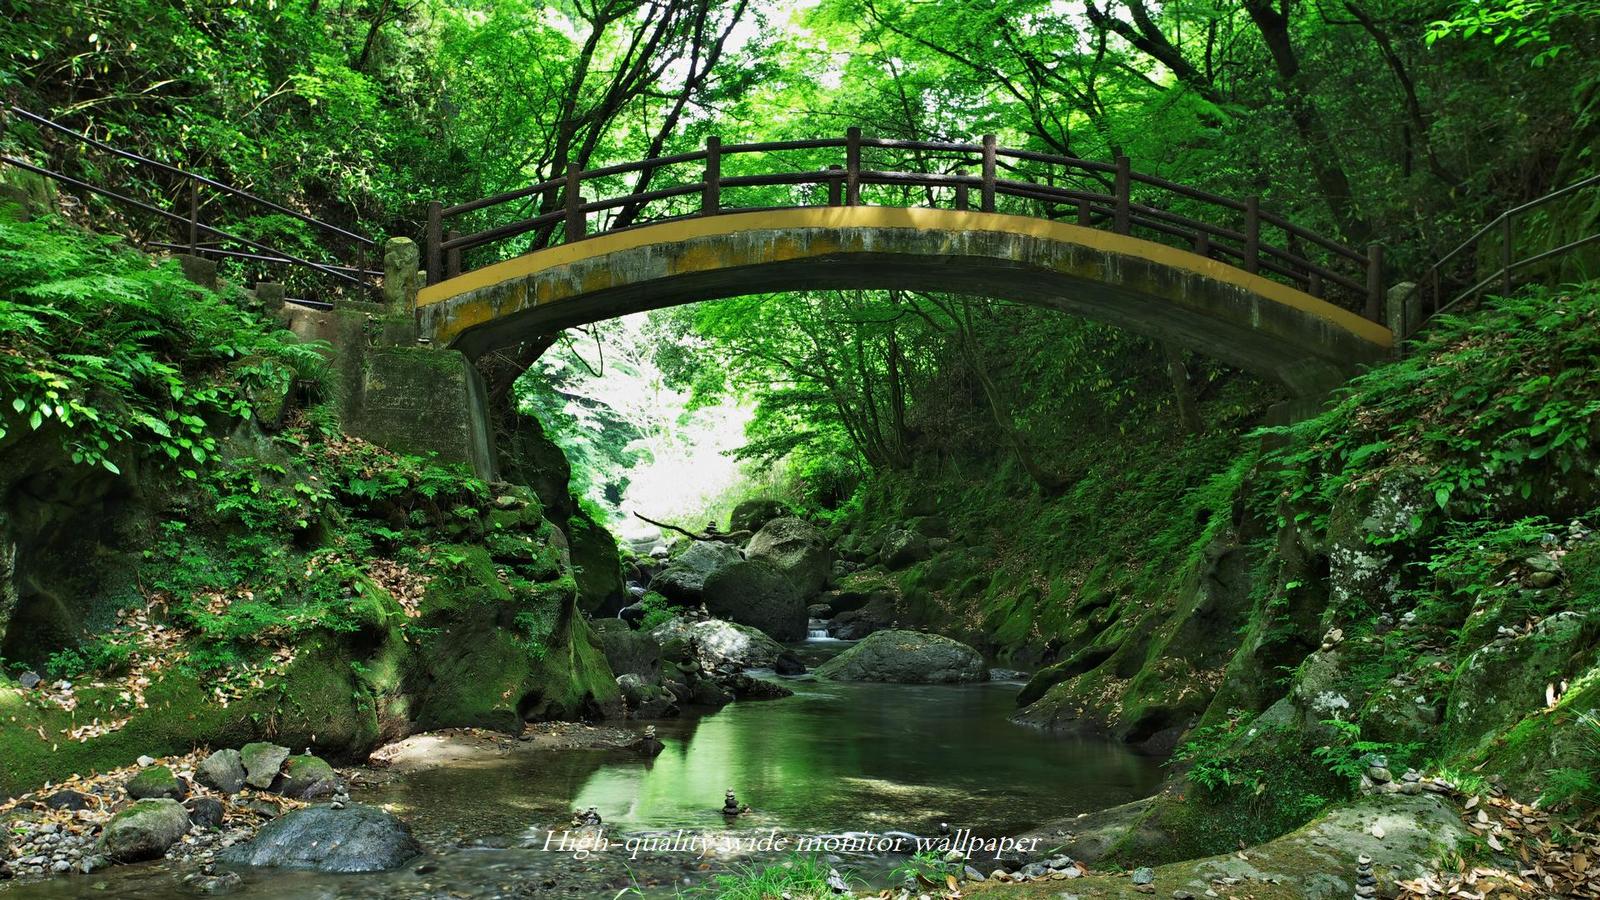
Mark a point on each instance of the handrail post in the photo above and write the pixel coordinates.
(1123, 219)
(963, 200)
(852, 166)
(435, 262)
(986, 201)
(711, 195)
(1202, 244)
(1505, 255)
(1085, 217)
(575, 223)
(1252, 234)
(452, 257)
(194, 216)
(1374, 282)
(835, 185)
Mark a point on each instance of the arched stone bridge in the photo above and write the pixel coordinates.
(1223, 291)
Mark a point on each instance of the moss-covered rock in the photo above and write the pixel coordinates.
(154, 783)
(754, 592)
(144, 831)
(306, 778)
(908, 657)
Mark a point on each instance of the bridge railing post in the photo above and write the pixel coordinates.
(433, 261)
(1252, 234)
(452, 257)
(963, 200)
(852, 167)
(1085, 216)
(1122, 219)
(194, 216)
(1374, 311)
(986, 197)
(835, 185)
(711, 195)
(574, 219)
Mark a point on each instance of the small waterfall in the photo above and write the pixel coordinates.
(816, 630)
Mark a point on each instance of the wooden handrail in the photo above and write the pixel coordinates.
(1118, 198)
(193, 228)
(1427, 296)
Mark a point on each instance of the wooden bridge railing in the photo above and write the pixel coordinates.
(1107, 195)
(1457, 277)
(198, 237)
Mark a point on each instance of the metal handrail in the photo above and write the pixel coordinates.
(1433, 282)
(1235, 232)
(356, 275)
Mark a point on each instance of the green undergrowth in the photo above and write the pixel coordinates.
(122, 356)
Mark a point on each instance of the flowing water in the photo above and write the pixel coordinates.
(834, 758)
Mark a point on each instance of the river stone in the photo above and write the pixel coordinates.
(354, 838)
(757, 593)
(306, 778)
(797, 549)
(684, 579)
(261, 763)
(909, 657)
(221, 771)
(204, 812)
(144, 830)
(716, 644)
(68, 800)
(156, 782)
(646, 700)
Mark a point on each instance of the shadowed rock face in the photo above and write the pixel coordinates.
(1246, 320)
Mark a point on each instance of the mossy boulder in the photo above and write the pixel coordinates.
(629, 652)
(751, 515)
(306, 778)
(144, 830)
(908, 657)
(1500, 683)
(156, 782)
(757, 593)
(796, 549)
(495, 658)
(597, 566)
(684, 580)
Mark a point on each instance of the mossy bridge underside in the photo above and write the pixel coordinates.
(1167, 293)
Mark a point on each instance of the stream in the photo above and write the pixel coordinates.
(835, 758)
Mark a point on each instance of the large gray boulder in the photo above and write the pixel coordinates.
(684, 579)
(755, 592)
(751, 515)
(355, 838)
(262, 762)
(222, 771)
(909, 657)
(797, 549)
(717, 644)
(144, 830)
